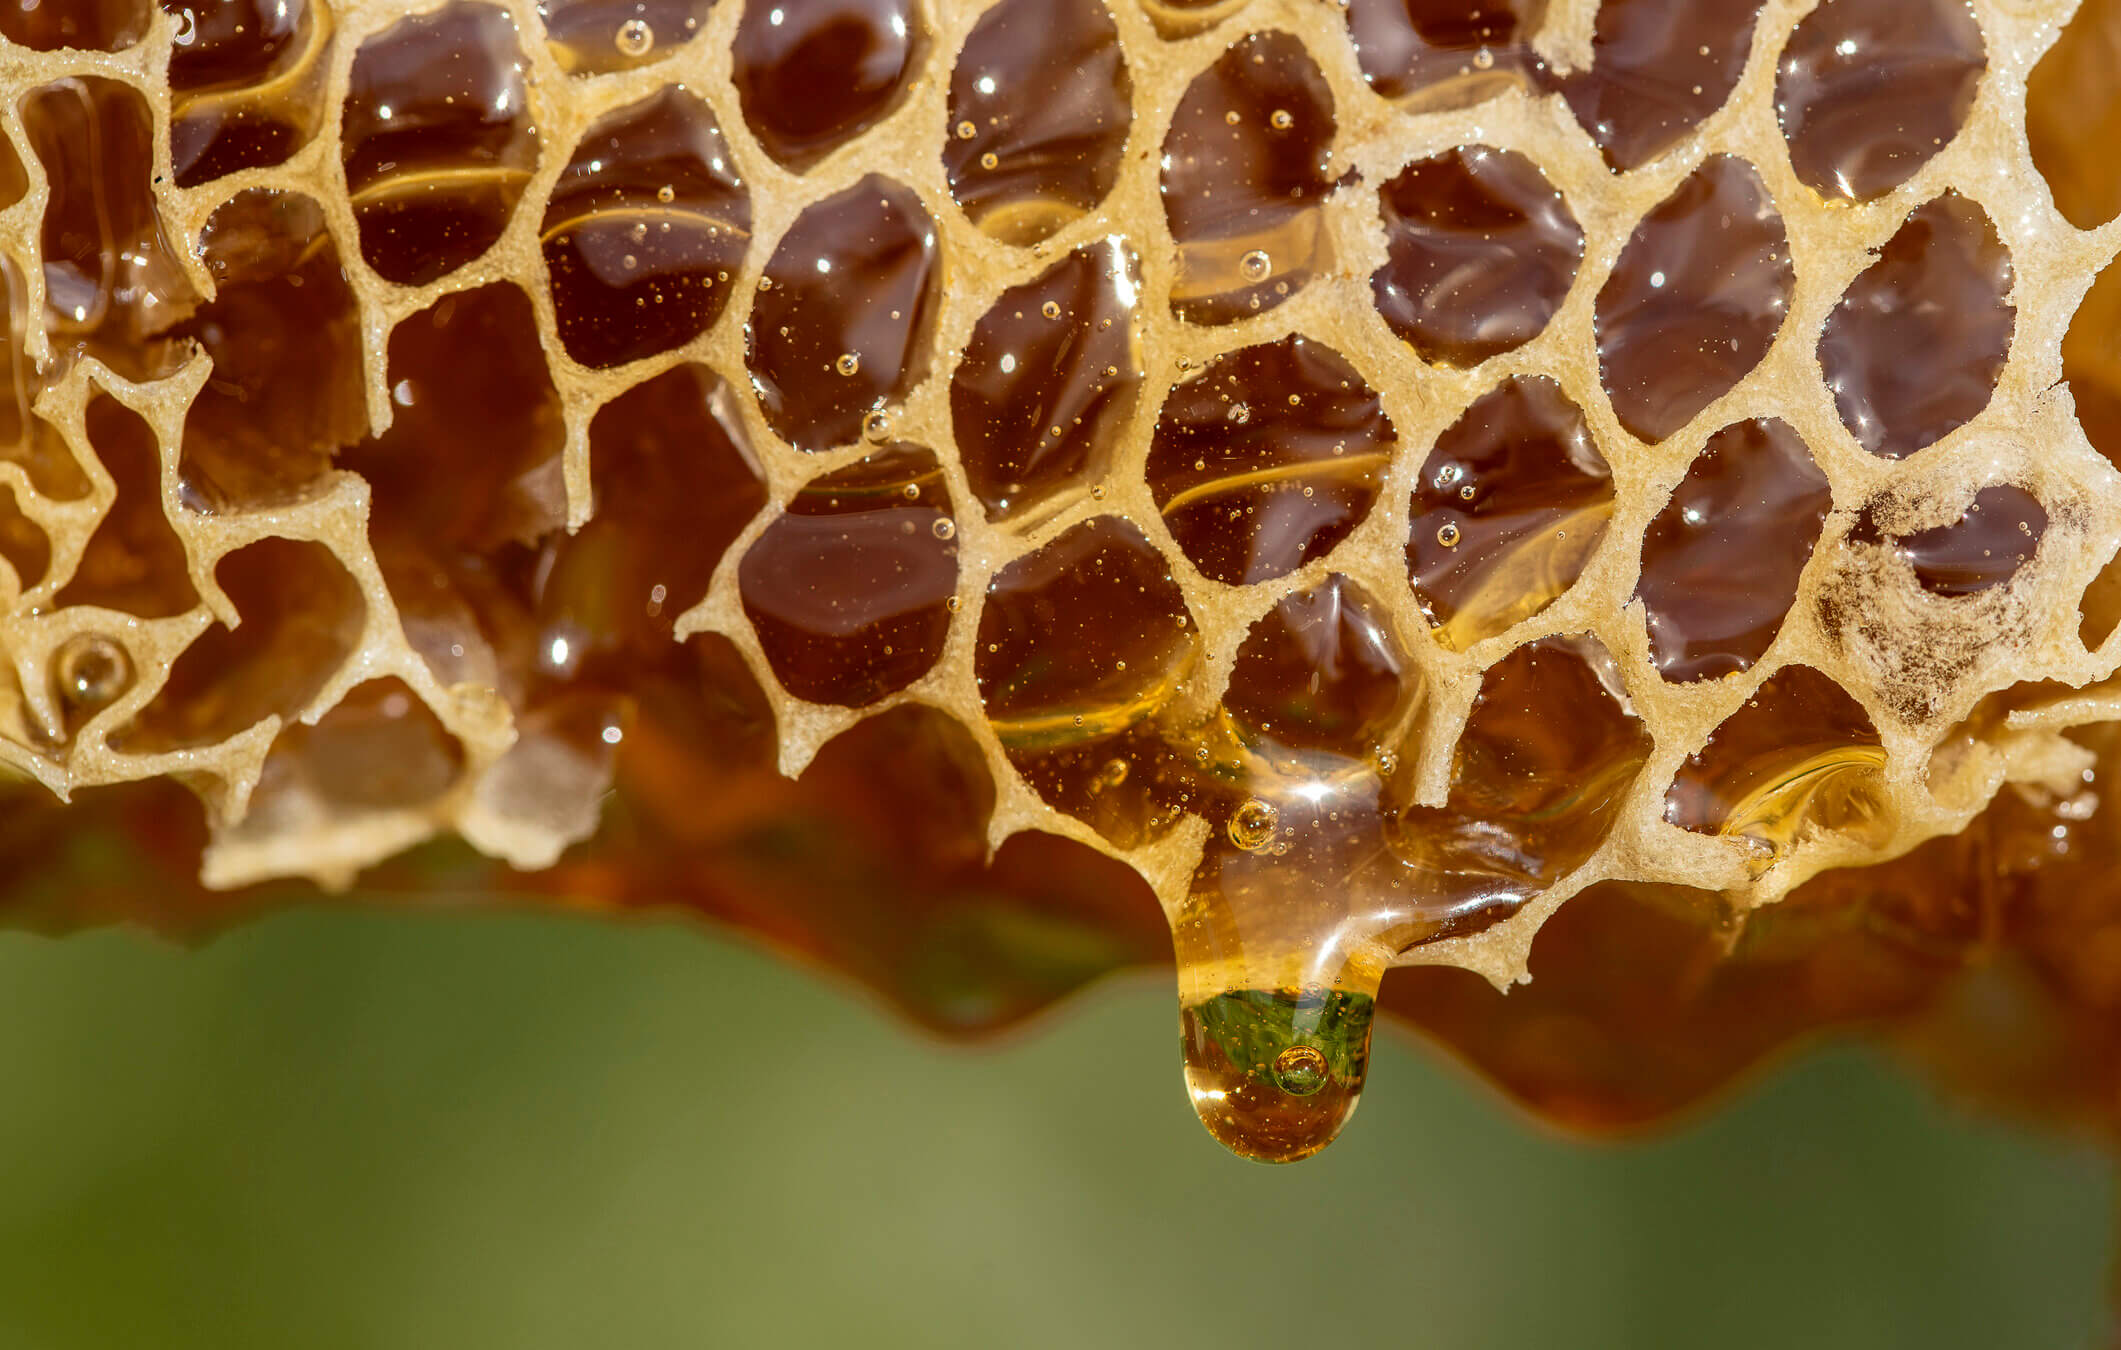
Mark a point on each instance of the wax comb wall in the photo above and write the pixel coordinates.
(1385, 484)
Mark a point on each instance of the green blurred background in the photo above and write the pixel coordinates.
(349, 1129)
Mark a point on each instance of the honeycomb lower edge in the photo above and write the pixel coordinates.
(982, 494)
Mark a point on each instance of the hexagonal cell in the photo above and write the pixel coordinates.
(2091, 364)
(813, 74)
(134, 561)
(1049, 380)
(285, 338)
(1870, 90)
(644, 230)
(840, 326)
(1507, 510)
(25, 438)
(246, 82)
(673, 484)
(1996, 536)
(1322, 671)
(1658, 69)
(1040, 105)
(597, 37)
(1430, 54)
(1721, 561)
(1480, 250)
(2072, 117)
(1245, 164)
(1695, 300)
(1801, 758)
(96, 25)
(301, 617)
(468, 473)
(1267, 458)
(112, 280)
(437, 140)
(849, 588)
(1081, 645)
(1533, 794)
(1915, 347)
(379, 749)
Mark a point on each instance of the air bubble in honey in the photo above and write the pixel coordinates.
(634, 39)
(89, 671)
(1252, 825)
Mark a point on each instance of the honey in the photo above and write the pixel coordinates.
(1361, 500)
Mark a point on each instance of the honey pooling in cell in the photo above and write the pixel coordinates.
(89, 672)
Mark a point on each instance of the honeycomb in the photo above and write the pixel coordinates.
(983, 493)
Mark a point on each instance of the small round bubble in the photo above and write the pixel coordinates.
(1301, 1070)
(635, 38)
(1252, 824)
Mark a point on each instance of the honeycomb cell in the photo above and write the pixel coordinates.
(467, 475)
(1658, 69)
(1914, 349)
(1532, 794)
(1081, 645)
(1720, 562)
(597, 37)
(2091, 363)
(2073, 120)
(1695, 300)
(1267, 458)
(1480, 251)
(1245, 165)
(1043, 88)
(95, 25)
(246, 81)
(1322, 671)
(840, 326)
(300, 618)
(673, 483)
(813, 74)
(1870, 90)
(25, 547)
(285, 337)
(379, 749)
(1801, 758)
(1983, 549)
(134, 561)
(437, 140)
(25, 438)
(1430, 54)
(1508, 508)
(471, 456)
(644, 229)
(111, 278)
(849, 588)
(1049, 380)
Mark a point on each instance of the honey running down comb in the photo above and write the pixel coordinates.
(982, 494)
